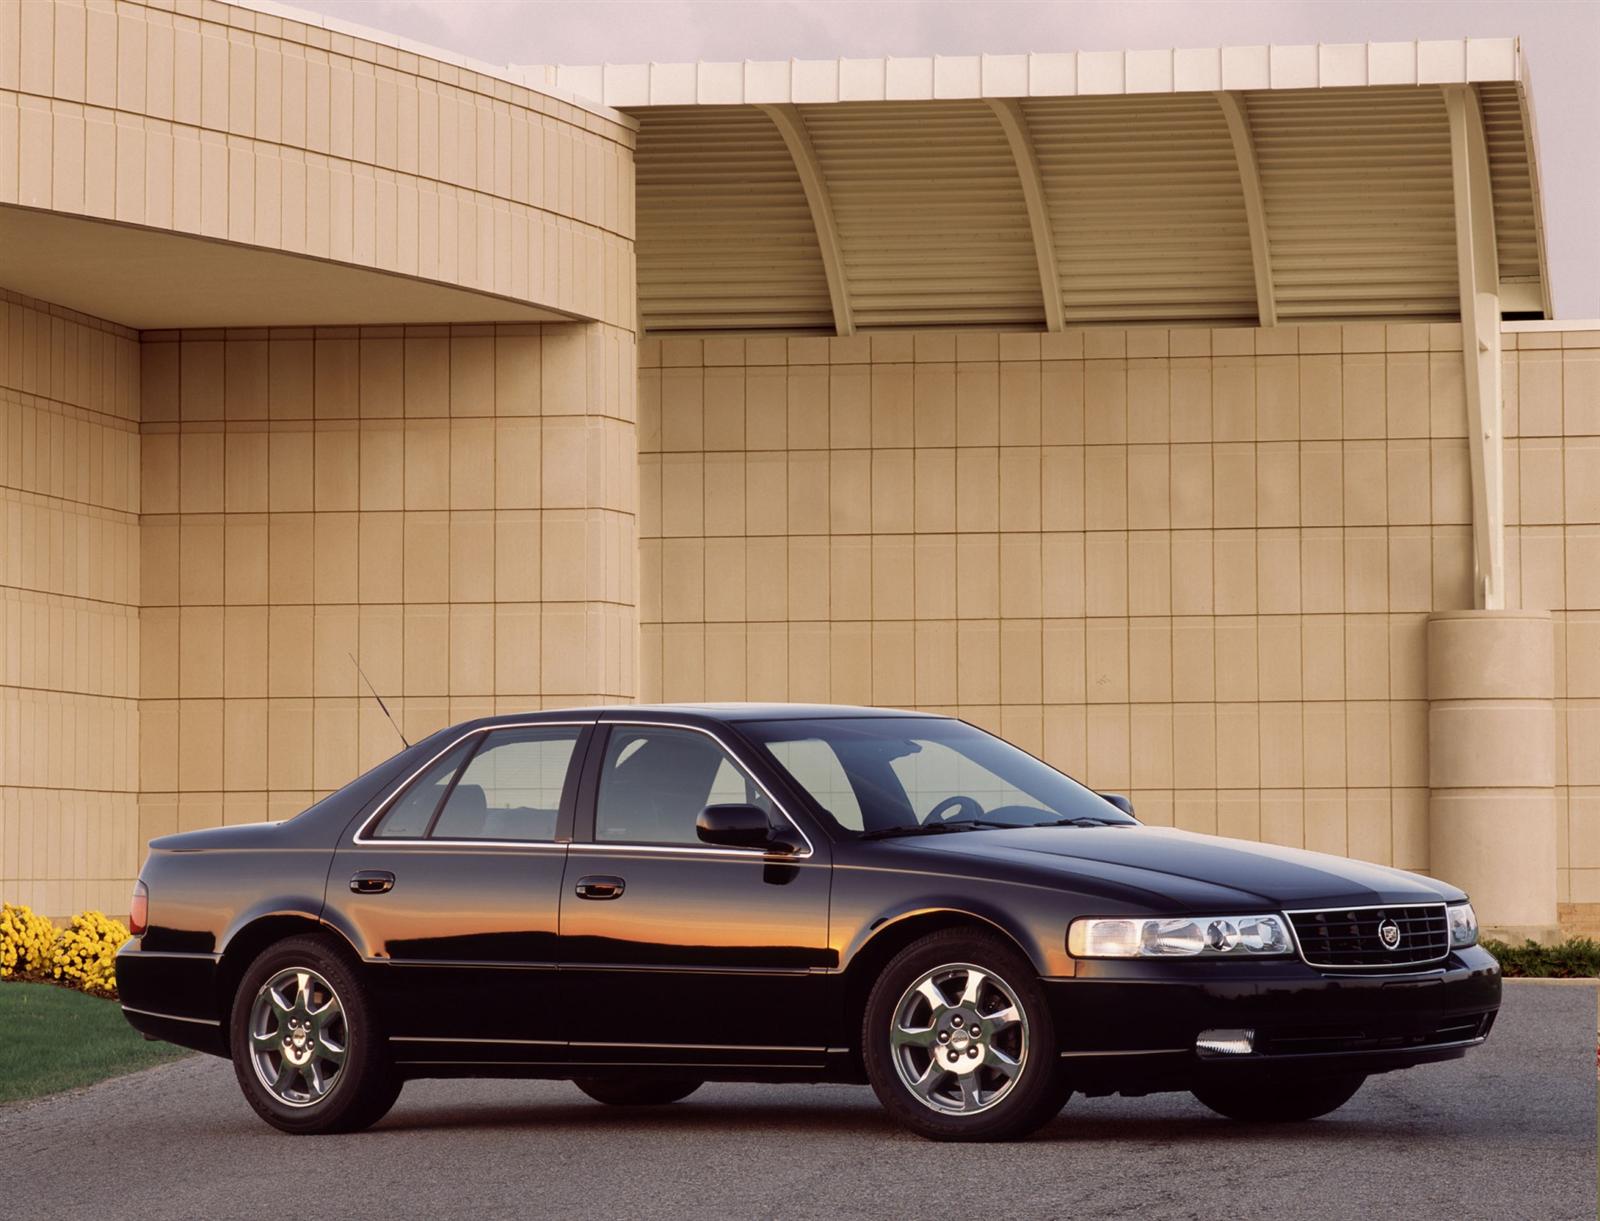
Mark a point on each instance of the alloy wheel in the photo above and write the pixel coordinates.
(959, 1039)
(298, 1037)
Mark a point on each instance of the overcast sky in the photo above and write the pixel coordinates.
(1561, 39)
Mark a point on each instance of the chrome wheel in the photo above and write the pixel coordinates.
(959, 1039)
(298, 1037)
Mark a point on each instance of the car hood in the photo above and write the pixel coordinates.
(1188, 869)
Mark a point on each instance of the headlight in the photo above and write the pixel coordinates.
(1463, 925)
(1179, 937)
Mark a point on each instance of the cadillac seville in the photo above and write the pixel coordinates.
(643, 899)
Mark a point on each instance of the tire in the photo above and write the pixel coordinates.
(637, 1092)
(316, 1063)
(1002, 1083)
(1282, 1099)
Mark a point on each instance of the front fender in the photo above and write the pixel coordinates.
(1031, 921)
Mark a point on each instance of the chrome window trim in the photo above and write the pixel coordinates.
(758, 854)
(362, 838)
(595, 845)
(1394, 967)
(533, 844)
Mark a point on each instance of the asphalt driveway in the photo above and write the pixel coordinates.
(1509, 1132)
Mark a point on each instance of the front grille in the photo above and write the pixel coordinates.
(1344, 938)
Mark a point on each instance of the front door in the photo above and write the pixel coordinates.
(453, 892)
(676, 950)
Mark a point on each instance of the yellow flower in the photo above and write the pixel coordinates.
(25, 942)
(84, 952)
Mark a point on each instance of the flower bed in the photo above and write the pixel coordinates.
(83, 955)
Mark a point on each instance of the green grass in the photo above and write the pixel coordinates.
(54, 1039)
(1576, 958)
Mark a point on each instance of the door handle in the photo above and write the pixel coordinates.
(599, 887)
(372, 881)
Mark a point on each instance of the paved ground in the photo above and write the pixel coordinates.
(1509, 1132)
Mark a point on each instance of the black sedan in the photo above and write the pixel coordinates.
(644, 899)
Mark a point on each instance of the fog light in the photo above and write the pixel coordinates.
(1225, 1042)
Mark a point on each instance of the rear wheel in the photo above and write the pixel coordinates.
(958, 1040)
(306, 1050)
(642, 1092)
(1281, 1099)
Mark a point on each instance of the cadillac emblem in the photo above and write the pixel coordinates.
(1389, 934)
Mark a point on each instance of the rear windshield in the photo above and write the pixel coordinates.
(876, 774)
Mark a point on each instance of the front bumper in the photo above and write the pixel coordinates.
(1130, 1027)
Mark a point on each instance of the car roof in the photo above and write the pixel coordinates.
(710, 712)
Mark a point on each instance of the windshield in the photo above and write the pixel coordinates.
(900, 775)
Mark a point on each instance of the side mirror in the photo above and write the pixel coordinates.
(739, 826)
(1121, 802)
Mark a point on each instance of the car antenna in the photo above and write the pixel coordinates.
(376, 696)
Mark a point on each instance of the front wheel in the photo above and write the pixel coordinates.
(958, 1040)
(641, 1092)
(1282, 1099)
(305, 1046)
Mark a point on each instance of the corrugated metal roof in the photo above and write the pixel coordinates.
(1146, 208)
(932, 225)
(1359, 202)
(725, 238)
(1512, 171)
(1214, 185)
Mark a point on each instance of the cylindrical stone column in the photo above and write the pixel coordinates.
(1491, 766)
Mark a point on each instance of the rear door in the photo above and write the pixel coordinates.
(452, 891)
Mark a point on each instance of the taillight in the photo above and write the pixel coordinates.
(139, 909)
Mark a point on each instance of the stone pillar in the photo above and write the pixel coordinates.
(1491, 766)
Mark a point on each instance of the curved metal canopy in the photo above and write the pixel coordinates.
(1231, 185)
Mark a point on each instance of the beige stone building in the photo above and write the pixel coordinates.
(1116, 402)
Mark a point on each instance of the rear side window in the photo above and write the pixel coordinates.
(509, 789)
(412, 811)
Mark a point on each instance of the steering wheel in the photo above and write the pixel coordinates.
(953, 809)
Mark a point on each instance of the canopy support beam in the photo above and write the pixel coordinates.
(1015, 125)
(1255, 213)
(786, 118)
(1478, 267)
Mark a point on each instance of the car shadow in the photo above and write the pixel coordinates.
(681, 1116)
(846, 1120)
(1204, 1129)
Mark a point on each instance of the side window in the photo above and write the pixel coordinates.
(411, 812)
(812, 762)
(510, 789)
(654, 783)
